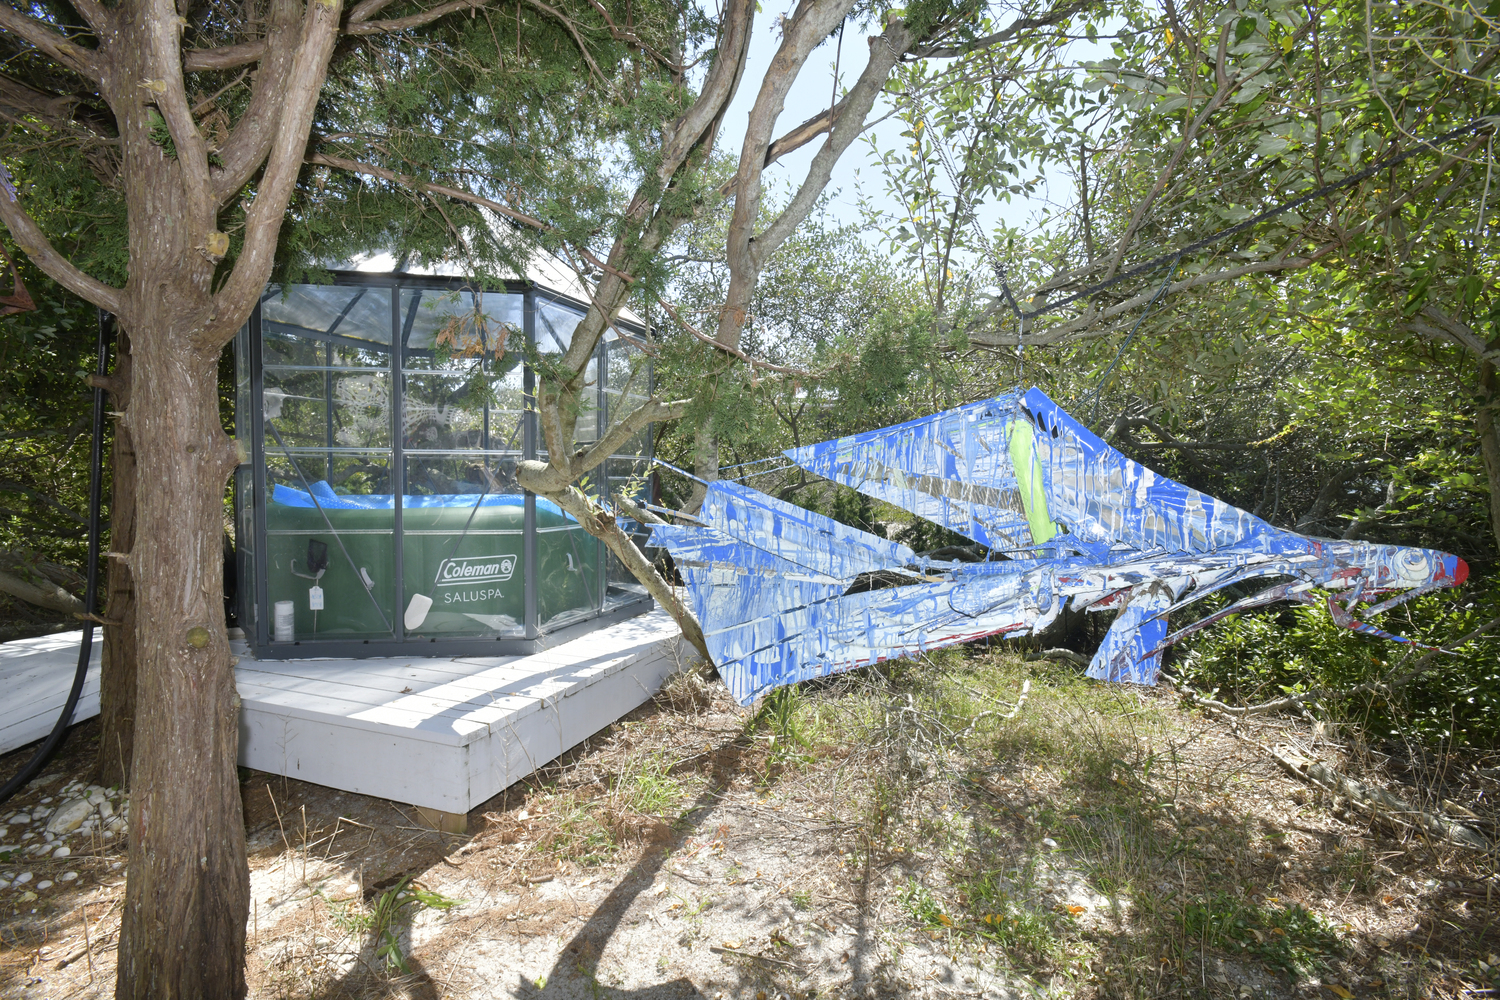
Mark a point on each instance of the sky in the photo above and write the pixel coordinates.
(857, 171)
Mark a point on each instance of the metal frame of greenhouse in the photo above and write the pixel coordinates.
(545, 306)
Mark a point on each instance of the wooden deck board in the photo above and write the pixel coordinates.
(35, 676)
(439, 732)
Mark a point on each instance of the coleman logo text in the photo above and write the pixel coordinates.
(475, 569)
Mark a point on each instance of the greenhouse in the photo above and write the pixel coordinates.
(390, 383)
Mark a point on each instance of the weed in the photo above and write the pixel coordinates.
(802, 900)
(792, 727)
(1000, 917)
(650, 790)
(1291, 937)
(382, 921)
(923, 907)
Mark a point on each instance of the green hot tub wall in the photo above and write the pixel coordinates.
(494, 603)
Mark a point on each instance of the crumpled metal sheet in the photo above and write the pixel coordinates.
(785, 594)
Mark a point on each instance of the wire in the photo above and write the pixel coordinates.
(1104, 379)
(767, 472)
(680, 472)
(758, 461)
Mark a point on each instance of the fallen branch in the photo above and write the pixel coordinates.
(1379, 801)
(758, 958)
(1057, 654)
(1020, 701)
(41, 592)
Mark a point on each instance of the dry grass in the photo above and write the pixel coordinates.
(1096, 841)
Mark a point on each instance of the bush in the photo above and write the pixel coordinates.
(1265, 655)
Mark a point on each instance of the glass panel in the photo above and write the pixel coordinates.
(242, 383)
(360, 480)
(628, 382)
(434, 479)
(244, 548)
(469, 412)
(586, 431)
(567, 572)
(465, 567)
(326, 325)
(632, 478)
(458, 330)
(327, 409)
(342, 543)
(463, 527)
(555, 323)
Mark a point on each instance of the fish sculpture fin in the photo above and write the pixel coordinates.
(1129, 652)
(1344, 619)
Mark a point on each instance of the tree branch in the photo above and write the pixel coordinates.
(1080, 326)
(358, 28)
(756, 362)
(223, 57)
(164, 48)
(30, 239)
(812, 21)
(43, 593)
(603, 526)
(500, 208)
(49, 40)
(1005, 34)
(632, 423)
(885, 50)
(567, 22)
(700, 120)
(264, 218)
(1453, 331)
(250, 142)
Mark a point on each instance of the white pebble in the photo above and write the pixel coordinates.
(47, 800)
(23, 878)
(4, 884)
(4, 832)
(109, 835)
(27, 835)
(45, 883)
(69, 876)
(117, 866)
(62, 852)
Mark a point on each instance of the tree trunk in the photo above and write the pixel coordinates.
(705, 462)
(185, 810)
(1489, 439)
(117, 662)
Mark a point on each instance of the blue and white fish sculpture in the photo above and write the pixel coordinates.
(784, 594)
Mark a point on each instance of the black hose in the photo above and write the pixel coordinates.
(55, 738)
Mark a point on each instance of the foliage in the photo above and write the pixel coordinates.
(1289, 937)
(1266, 655)
(391, 912)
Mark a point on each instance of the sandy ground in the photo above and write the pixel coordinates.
(676, 854)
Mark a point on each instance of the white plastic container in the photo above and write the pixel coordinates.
(284, 620)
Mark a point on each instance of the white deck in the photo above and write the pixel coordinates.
(439, 732)
(35, 677)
